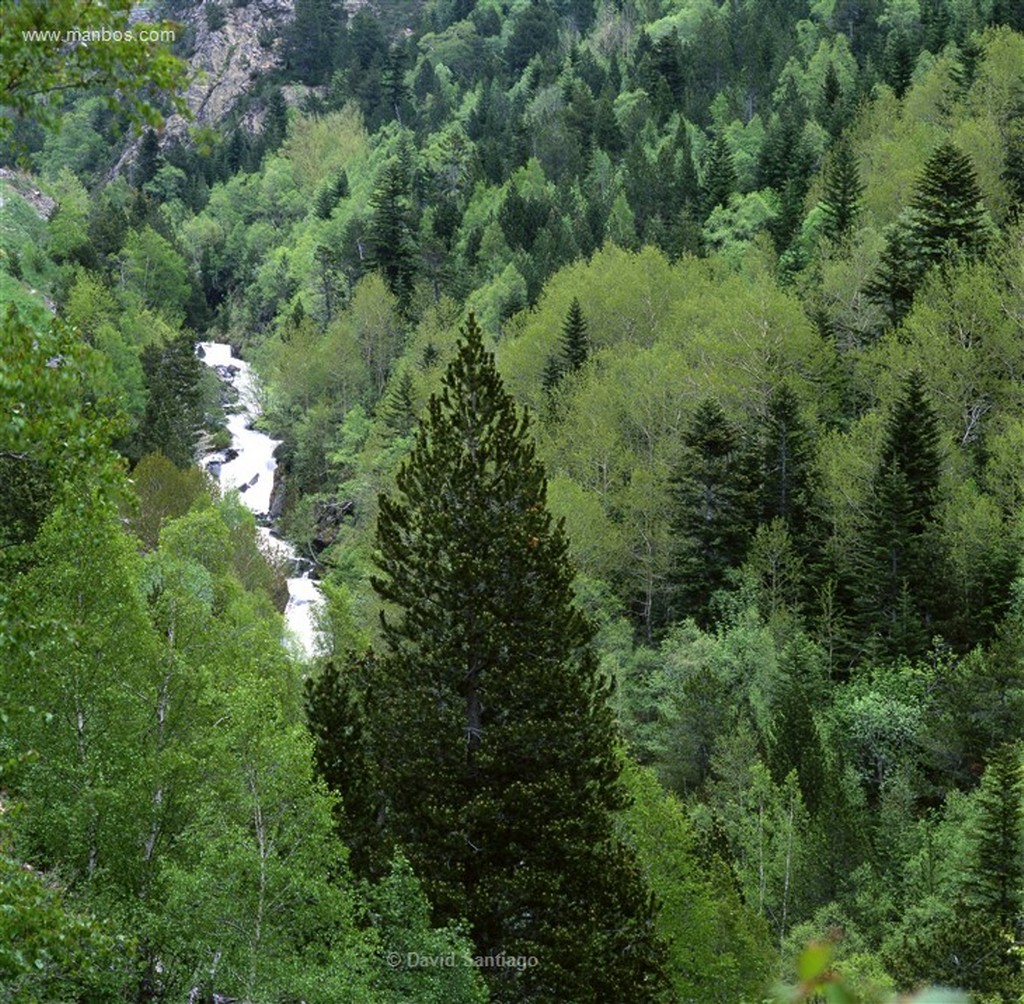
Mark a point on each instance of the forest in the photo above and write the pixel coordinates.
(648, 379)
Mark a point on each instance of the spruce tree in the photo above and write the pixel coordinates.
(311, 40)
(787, 473)
(148, 162)
(947, 211)
(896, 278)
(713, 504)
(840, 203)
(275, 122)
(719, 176)
(488, 718)
(1013, 169)
(336, 718)
(399, 406)
(393, 248)
(575, 344)
(899, 588)
(174, 404)
(995, 882)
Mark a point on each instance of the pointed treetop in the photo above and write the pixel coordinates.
(948, 213)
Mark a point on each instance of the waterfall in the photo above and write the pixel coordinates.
(248, 466)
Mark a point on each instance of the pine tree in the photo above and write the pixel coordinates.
(488, 718)
(898, 274)
(995, 883)
(399, 407)
(553, 373)
(148, 162)
(336, 717)
(947, 211)
(174, 406)
(1013, 169)
(575, 343)
(719, 176)
(392, 248)
(787, 473)
(311, 41)
(840, 203)
(899, 585)
(713, 503)
(330, 194)
(898, 61)
(395, 91)
(275, 123)
(831, 106)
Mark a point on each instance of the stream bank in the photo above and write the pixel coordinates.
(247, 466)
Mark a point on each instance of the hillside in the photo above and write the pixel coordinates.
(649, 384)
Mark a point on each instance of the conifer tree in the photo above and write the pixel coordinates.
(900, 567)
(898, 60)
(948, 215)
(1013, 169)
(830, 112)
(392, 248)
(945, 218)
(275, 123)
(553, 373)
(311, 40)
(843, 188)
(995, 883)
(488, 719)
(575, 344)
(174, 406)
(787, 473)
(713, 509)
(399, 407)
(719, 176)
(334, 711)
(148, 162)
(893, 283)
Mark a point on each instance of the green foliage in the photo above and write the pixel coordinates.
(996, 882)
(154, 272)
(48, 950)
(897, 587)
(54, 440)
(862, 643)
(164, 493)
(402, 923)
(522, 730)
(712, 505)
(843, 188)
(718, 949)
(948, 216)
(33, 84)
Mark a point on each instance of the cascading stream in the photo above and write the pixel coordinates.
(248, 466)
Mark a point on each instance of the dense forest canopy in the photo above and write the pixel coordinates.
(649, 383)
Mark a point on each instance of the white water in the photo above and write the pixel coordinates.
(251, 472)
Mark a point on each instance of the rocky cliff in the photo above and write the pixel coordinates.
(232, 47)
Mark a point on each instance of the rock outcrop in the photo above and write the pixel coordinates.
(227, 59)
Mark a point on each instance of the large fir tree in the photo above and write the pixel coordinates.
(393, 248)
(947, 212)
(488, 718)
(900, 564)
(713, 502)
(787, 485)
(719, 176)
(995, 881)
(840, 203)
